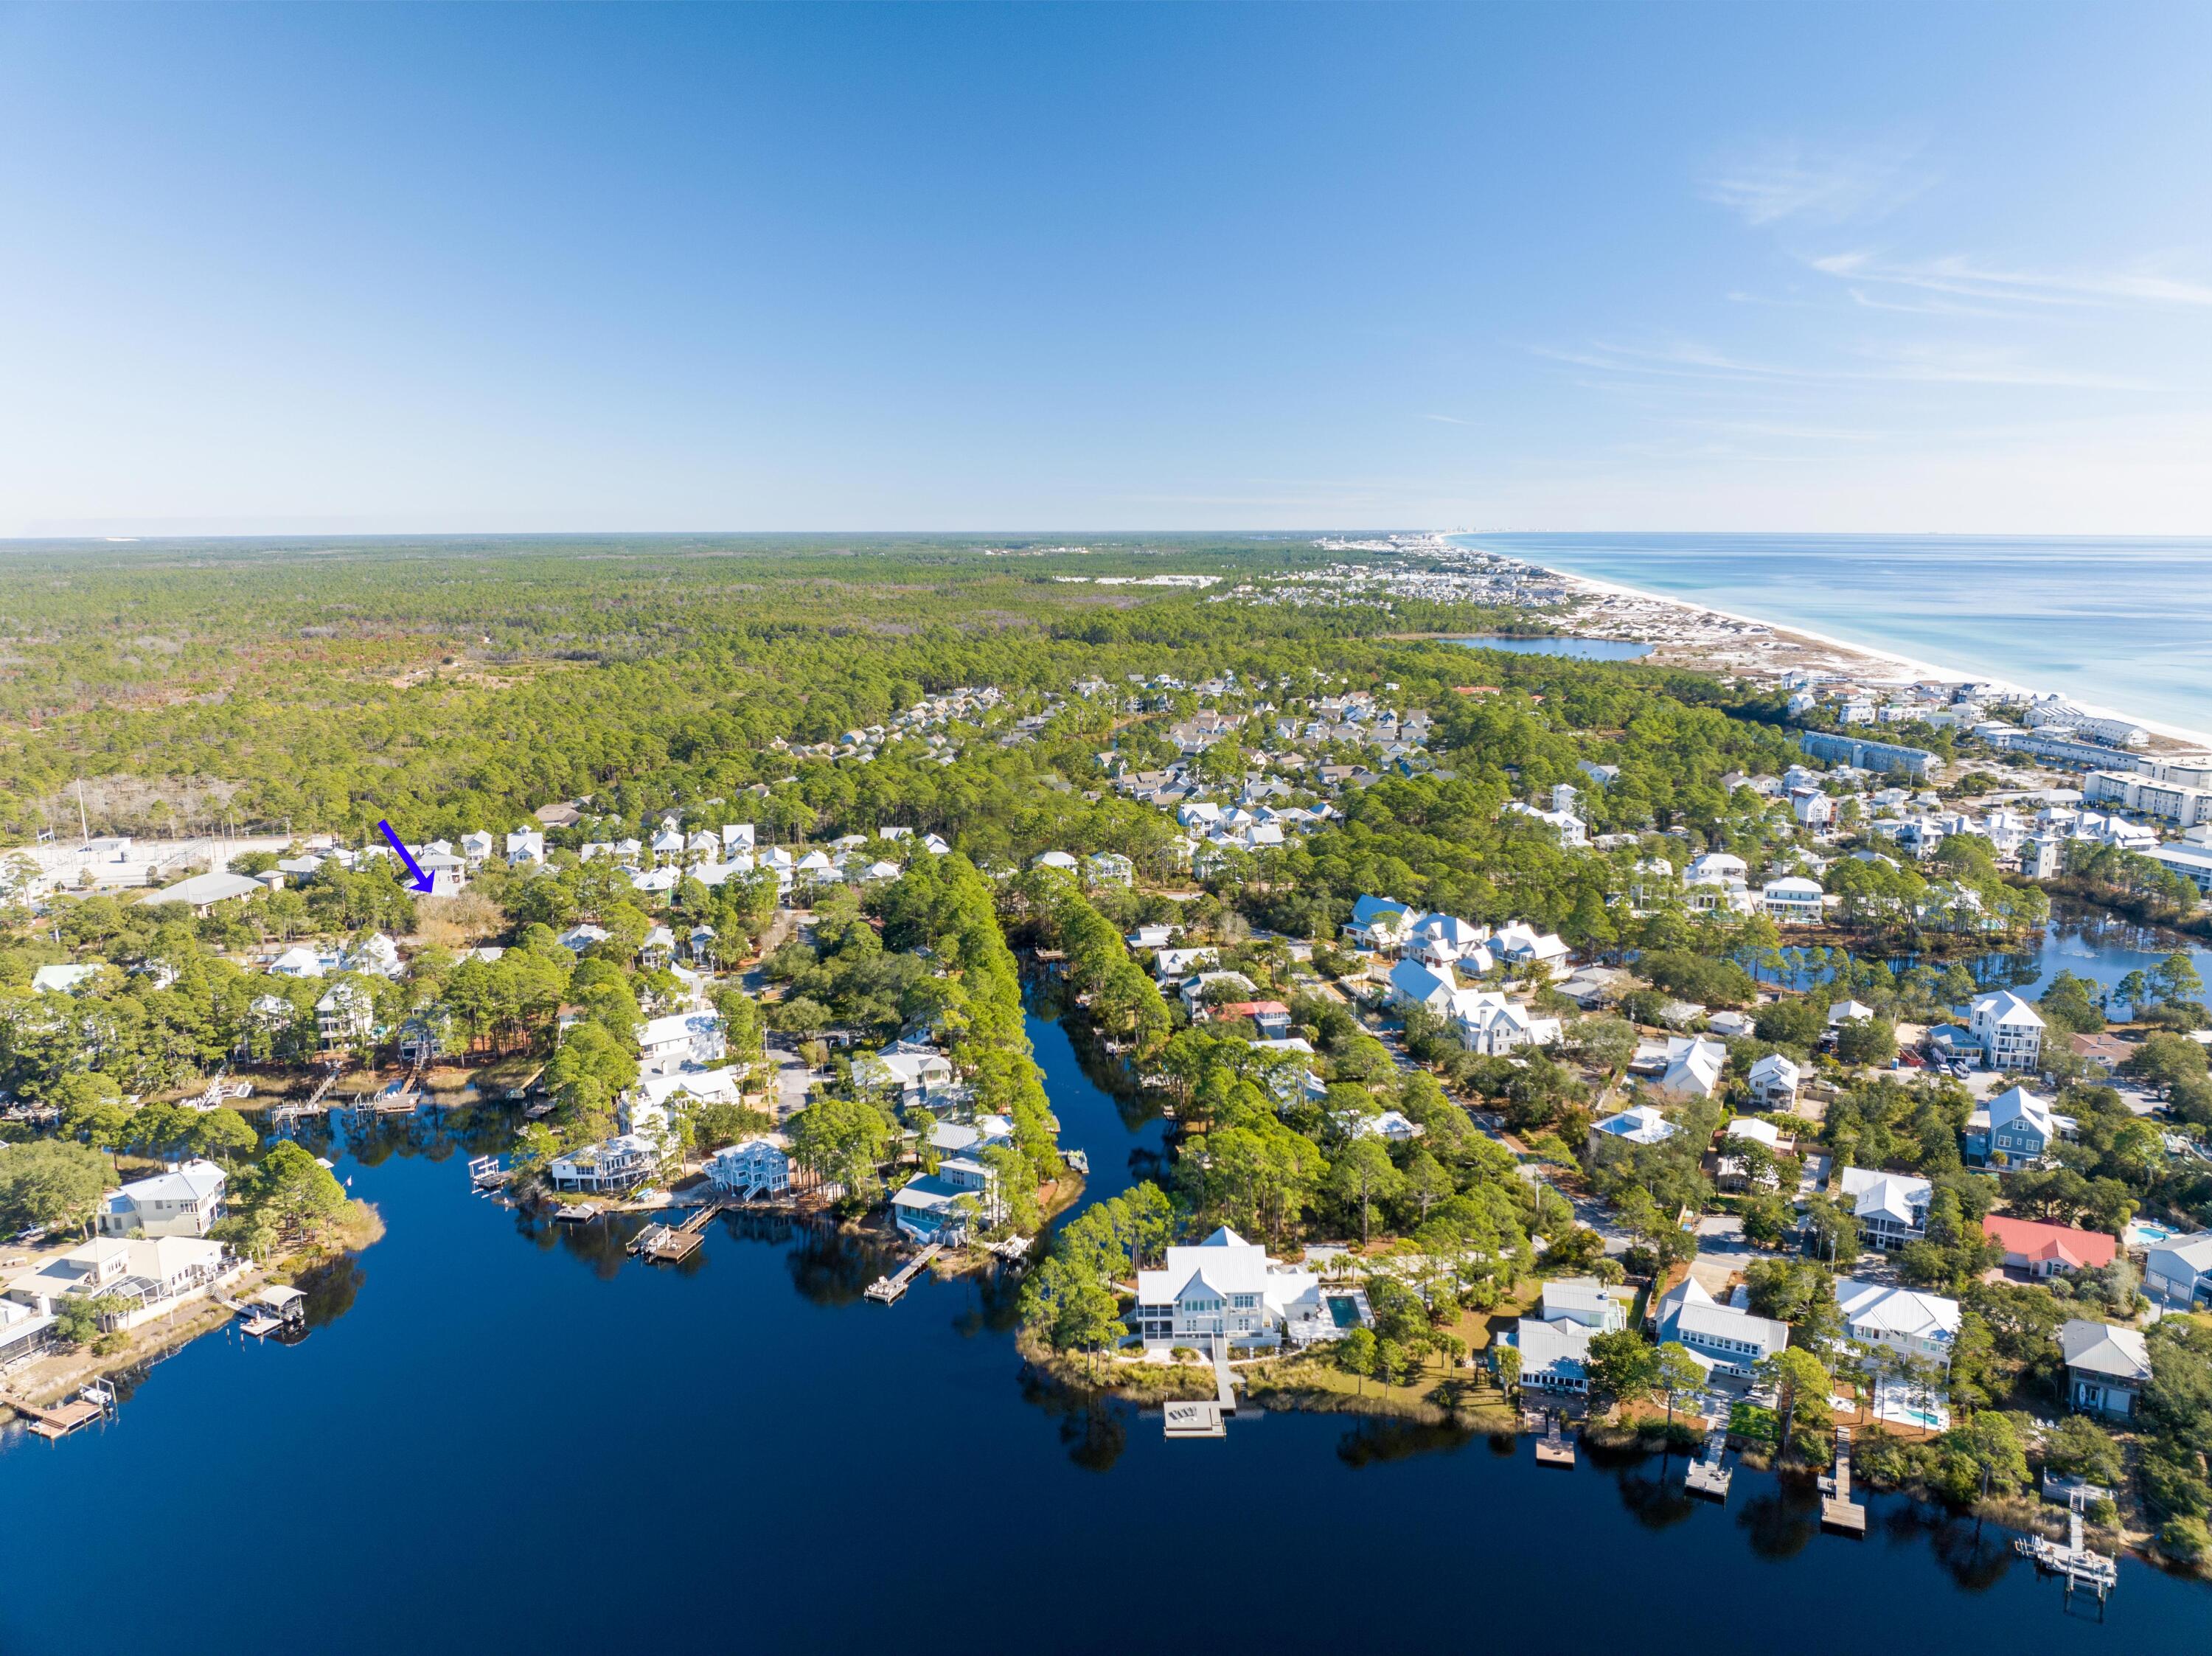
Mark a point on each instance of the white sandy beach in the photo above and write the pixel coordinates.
(1869, 661)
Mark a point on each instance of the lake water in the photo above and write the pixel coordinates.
(2126, 624)
(1579, 649)
(500, 1437)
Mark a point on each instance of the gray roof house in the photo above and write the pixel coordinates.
(2106, 1367)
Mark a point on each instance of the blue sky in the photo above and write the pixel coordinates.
(356, 269)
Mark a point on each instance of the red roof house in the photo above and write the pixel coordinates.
(2042, 1250)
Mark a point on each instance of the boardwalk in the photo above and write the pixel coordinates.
(93, 1403)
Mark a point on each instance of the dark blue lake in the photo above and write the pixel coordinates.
(1580, 649)
(503, 1439)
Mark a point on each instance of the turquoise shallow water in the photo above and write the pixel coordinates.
(2126, 624)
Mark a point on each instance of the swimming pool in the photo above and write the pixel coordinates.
(1345, 1309)
(2146, 1233)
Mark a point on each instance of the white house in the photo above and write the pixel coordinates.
(1060, 859)
(911, 1070)
(2106, 1367)
(938, 1207)
(525, 846)
(344, 1015)
(2010, 1032)
(745, 1171)
(1693, 1068)
(150, 1277)
(1892, 1208)
(613, 1165)
(297, 962)
(1642, 1124)
(62, 979)
(1489, 1024)
(1721, 1337)
(1224, 1290)
(680, 1038)
(1586, 1300)
(1518, 943)
(1380, 923)
(2179, 1269)
(1907, 1321)
(1792, 900)
(1774, 1081)
(184, 1201)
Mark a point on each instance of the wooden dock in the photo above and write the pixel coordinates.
(1193, 1419)
(95, 1402)
(1839, 1511)
(888, 1289)
(486, 1176)
(1555, 1448)
(668, 1244)
(1711, 1475)
(575, 1213)
(2081, 1567)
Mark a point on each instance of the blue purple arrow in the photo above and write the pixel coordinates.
(417, 877)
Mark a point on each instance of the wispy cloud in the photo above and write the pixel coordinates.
(1919, 364)
(1447, 419)
(1794, 183)
(1964, 278)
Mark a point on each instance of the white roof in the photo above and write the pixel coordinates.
(678, 1026)
(203, 889)
(2006, 1007)
(1751, 1127)
(1883, 1308)
(1692, 1310)
(1553, 1346)
(188, 1181)
(60, 980)
(1643, 1125)
(2018, 1104)
(708, 1086)
(1848, 1011)
(1888, 1195)
(1772, 1068)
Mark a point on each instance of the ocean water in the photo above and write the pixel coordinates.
(2124, 624)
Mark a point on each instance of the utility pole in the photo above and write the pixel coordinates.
(83, 828)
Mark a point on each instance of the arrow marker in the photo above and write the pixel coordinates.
(417, 877)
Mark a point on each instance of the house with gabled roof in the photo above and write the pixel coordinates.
(2044, 1250)
(1224, 1292)
(2106, 1366)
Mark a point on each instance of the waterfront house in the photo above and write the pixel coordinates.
(23, 1333)
(1642, 1124)
(1905, 1320)
(1723, 1337)
(1225, 1291)
(345, 1015)
(940, 1207)
(1792, 900)
(2106, 1367)
(2016, 1129)
(1892, 1208)
(2179, 1271)
(148, 1276)
(1774, 1081)
(184, 1201)
(608, 1168)
(745, 1171)
(2009, 1030)
(2039, 1249)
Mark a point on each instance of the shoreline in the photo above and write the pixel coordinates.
(1900, 668)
